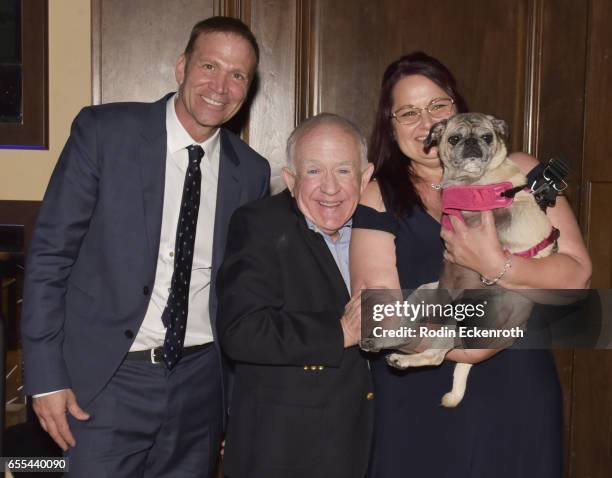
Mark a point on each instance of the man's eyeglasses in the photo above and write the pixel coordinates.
(438, 108)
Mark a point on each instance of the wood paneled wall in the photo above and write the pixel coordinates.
(543, 65)
(330, 55)
(136, 44)
(591, 438)
(274, 22)
(486, 53)
(560, 56)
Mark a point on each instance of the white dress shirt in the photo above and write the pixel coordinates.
(199, 330)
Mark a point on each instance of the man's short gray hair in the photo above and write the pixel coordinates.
(326, 119)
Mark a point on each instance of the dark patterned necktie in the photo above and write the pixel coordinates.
(175, 313)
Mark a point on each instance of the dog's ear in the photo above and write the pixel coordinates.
(500, 127)
(435, 133)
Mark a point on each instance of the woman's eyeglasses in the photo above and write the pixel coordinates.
(438, 108)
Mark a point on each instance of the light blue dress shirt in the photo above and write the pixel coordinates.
(339, 248)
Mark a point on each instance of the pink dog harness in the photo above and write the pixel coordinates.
(484, 197)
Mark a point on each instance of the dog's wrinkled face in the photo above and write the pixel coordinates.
(469, 144)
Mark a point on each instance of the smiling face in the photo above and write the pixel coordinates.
(418, 91)
(328, 177)
(213, 82)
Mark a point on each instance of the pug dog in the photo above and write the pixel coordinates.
(472, 148)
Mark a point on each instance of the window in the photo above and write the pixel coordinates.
(23, 74)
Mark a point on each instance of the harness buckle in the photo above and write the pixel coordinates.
(550, 183)
(550, 179)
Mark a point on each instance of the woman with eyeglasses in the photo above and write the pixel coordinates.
(509, 423)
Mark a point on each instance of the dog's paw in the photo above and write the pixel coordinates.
(451, 399)
(369, 345)
(397, 361)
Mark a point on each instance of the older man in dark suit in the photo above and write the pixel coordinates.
(302, 403)
(119, 309)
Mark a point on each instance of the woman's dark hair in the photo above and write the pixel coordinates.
(391, 166)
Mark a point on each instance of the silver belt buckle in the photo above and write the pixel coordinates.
(153, 356)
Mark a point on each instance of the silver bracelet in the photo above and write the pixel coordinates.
(507, 267)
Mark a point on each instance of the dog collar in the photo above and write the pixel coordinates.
(532, 251)
(485, 198)
(482, 197)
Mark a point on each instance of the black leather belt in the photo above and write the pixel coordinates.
(156, 355)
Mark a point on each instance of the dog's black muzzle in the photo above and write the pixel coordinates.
(471, 149)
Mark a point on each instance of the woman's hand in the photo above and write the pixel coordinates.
(478, 248)
(475, 247)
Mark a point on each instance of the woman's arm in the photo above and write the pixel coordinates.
(373, 265)
(470, 355)
(372, 252)
(479, 249)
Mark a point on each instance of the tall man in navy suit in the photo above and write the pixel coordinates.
(125, 377)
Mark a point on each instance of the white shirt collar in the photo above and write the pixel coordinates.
(179, 138)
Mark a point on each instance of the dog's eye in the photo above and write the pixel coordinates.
(488, 138)
(454, 139)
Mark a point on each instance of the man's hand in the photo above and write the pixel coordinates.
(52, 410)
(351, 321)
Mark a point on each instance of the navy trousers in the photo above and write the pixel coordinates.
(152, 422)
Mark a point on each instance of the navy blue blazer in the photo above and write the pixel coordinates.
(93, 255)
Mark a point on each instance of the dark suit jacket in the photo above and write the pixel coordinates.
(93, 256)
(301, 403)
